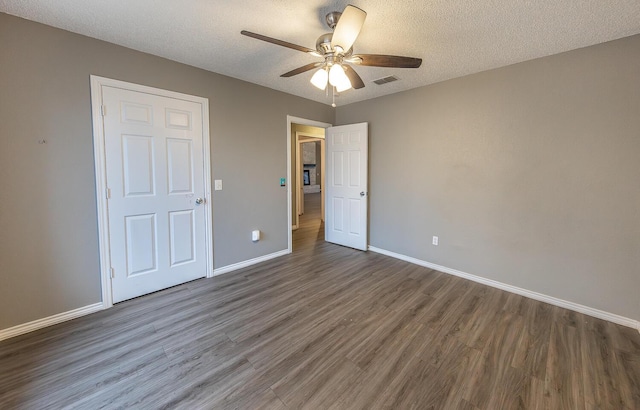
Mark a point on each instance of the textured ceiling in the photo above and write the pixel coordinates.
(453, 37)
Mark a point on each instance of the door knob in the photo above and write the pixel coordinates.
(199, 201)
(362, 193)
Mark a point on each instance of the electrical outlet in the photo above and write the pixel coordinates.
(218, 185)
(435, 241)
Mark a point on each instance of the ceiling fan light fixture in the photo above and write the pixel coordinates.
(338, 78)
(320, 78)
(343, 87)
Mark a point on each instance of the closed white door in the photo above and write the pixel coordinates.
(156, 191)
(346, 185)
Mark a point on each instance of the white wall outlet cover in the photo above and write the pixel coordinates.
(218, 185)
(435, 240)
(255, 235)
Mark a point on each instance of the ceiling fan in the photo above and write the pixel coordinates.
(336, 49)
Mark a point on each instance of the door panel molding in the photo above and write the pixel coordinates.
(137, 114)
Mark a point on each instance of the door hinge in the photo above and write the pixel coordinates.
(103, 110)
(113, 273)
(108, 193)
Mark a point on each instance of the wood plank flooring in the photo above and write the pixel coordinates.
(326, 327)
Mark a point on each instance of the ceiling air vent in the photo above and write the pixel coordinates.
(385, 80)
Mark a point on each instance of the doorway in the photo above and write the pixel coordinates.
(345, 185)
(310, 170)
(309, 224)
(305, 202)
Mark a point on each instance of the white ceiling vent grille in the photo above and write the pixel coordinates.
(385, 80)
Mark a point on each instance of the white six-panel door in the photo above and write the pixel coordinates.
(156, 191)
(347, 185)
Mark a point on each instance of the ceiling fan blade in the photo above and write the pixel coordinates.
(380, 60)
(279, 42)
(348, 27)
(302, 69)
(356, 81)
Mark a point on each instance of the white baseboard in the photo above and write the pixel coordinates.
(244, 264)
(49, 321)
(600, 314)
(72, 314)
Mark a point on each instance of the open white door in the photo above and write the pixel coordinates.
(156, 191)
(347, 185)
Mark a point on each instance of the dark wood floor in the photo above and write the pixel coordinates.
(326, 328)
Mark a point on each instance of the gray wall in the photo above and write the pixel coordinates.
(48, 227)
(529, 174)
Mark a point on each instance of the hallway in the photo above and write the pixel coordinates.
(311, 227)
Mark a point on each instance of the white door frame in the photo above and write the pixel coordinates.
(101, 173)
(299, 187)
(301, 121)
(300, 167)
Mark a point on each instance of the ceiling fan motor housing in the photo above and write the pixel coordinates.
(332, 19)
(323, 45)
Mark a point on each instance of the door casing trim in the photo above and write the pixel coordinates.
(101, 174)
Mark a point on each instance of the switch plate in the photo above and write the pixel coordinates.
(218, 185)
(435, 241)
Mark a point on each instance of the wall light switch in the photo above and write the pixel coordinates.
(218, 185)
